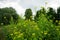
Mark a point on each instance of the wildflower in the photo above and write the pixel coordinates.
(16, 33)
(56, 20)
(50, 20)
(40, 38)
(14, 27)
(53, 17)
(4, 17)
(29, 19)
(57, 29)
(24, 25)
(30, 16)
(21, 34)
(11, 34)
(14, 38)
(2, 23)
(59, 22)
(37, 28)
(33, 21)
(45, 32)
(33, 34)
(41, 31)
(24, 17)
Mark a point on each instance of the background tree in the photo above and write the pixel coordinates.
(51, 13)
(28, 14)
(38, 13)
(6, 14)
(43, 11)
(57, 17)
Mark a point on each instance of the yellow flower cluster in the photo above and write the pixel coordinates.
(33, 34)
(36, 27)
(4, 17)
(56, 20)
(45, 32)
(2, 23)
(57, 29)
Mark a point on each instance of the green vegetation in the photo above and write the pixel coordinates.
(41, 28)
(28, 14)
(6, 14)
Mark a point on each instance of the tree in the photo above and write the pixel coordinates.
(51, 14)
(38, 13)
(28, 14)
(6, 14)
(57, 17)
(43, 11)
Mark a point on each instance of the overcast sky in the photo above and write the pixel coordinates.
(21, 5)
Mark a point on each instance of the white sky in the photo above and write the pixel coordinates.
(21, 5)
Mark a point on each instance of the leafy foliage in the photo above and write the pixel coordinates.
(28, 14)
(6, 14)
(38, 13)
(42, 29)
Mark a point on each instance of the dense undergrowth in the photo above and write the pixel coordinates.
(31, 30)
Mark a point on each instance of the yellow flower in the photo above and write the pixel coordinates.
(29, 19)
(56, 20)
(40, 38)
(4, 17)
(41, 31)
(24, 17)
(21, 34)
(16, 33)
(59, 22)
(24, 25)
(45, 32)
(30, 16)
(50, 20)
(2, 23)
(14, 38)
(37, 28)
(15, 27)
(53, 17)
(33, 34)
(33, 21)
(57, 29)
(11, 34)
